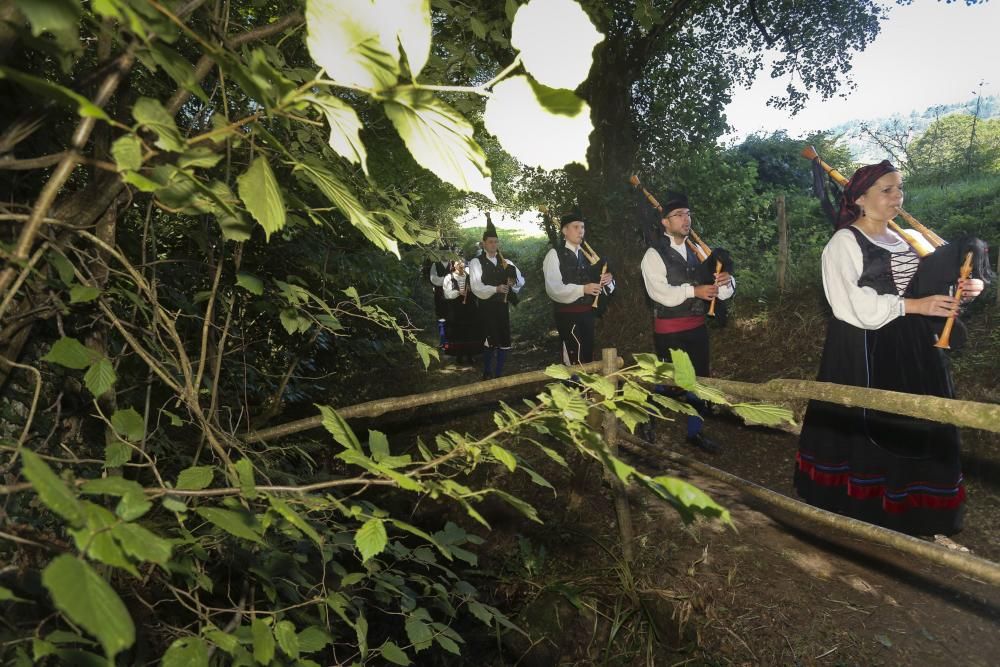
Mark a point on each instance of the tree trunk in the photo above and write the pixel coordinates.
(779, 203)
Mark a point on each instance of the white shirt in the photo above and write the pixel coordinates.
(459, 282)
(843, 263)
(654, 275)
(437, 279)
(557, 290)
(476, 277)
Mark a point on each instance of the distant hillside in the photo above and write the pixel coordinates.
(865, 150)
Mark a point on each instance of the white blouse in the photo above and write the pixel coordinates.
(654, 275)
(862, 307)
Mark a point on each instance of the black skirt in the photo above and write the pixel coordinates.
(894, 471)
(465, 335)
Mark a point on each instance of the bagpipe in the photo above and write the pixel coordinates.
(710, 262)
(942, 264)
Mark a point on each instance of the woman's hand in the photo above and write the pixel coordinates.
(935, 305)
(971, 288)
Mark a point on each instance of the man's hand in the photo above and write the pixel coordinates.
(722, 279)
(503, 289)
(592, 289)
(606, 279)
(706, 292)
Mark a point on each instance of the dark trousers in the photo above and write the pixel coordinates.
(576, 331)
(695, 343)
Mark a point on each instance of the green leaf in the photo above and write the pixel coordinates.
(339, 429)
(94, 538)
(540, 126)
(688, 499)
(186, 652)
(558, 371)
(313, 639)
(244, 469)
(51, 490)
(764, 414)
(394, 654)
(448, 644)
(293, 322)
(440, 140)
(288, 640)
(100, 377)
(132, 506)
(71, 353)
(351, 41)
(345, 128)
(478, 27)
(237, 524)
(129, 424)
(141, 544)
(150, 113)
(199, 156)
(342, 197)
(59, 17)
(83, 293)
(294, 518)
(7, 595)
(263, 641)
(195, 478)
(419, 633)
(84, 107)
(426, 352)
(562, 63)
(504, 457)
(89, 602)
(62, 266)
(111, 486)
(127, 152)
(262, 196)
(684, 374)
(371, 538)
(510, 9)
(250, 283)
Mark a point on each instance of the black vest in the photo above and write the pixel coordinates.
(493, 275)
(575, 270)
(679, 271)
(876, 265)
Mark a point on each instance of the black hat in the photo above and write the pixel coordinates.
(675, 200)
(573, 216)
(491, 230)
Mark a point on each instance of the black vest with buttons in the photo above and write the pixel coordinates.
(493, 275)
(679, 271)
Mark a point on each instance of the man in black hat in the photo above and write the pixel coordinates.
(573, 282)
(495, 282)
(676, 283)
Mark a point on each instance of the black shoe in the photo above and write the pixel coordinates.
(704, 444)
(487, 376)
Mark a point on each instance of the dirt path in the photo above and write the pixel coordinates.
(772, 592)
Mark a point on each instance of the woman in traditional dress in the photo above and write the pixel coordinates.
(899, 472)
(465, 336)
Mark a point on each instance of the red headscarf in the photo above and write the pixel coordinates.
(862, 179)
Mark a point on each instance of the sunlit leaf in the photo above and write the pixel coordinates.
(394, 654)
(689, 500)
(558, 371)
(141, 544)
(59, 17)
(558, 63)
(262, 196)
(89, 602)
(244, 470)
(440, 140)
(684, 374)
(349, 39)
(152, 114)
(371, 538)
(413, 28)
(294, 518)
(345, 128)
(764, 414)
(313, 639)
(51, 490)
(288, 640)
(504, 457)
(540, 126)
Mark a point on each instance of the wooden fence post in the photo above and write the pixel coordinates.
(779, 203)
(609, 358)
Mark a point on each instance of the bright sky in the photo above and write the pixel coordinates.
(927, 53)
